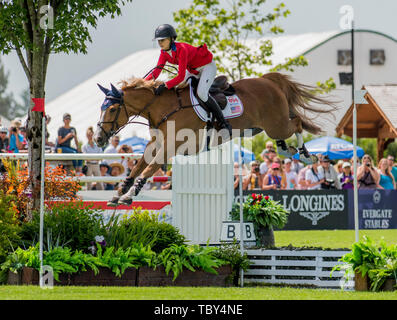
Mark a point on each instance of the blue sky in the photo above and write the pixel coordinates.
(133, 31)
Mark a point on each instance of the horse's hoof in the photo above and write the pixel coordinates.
(288, 153)
(292, 151)
(305, 159)
(283, 152)
(114, 202)
(308, 159)
(125, 201)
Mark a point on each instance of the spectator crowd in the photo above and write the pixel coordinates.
(274, 173)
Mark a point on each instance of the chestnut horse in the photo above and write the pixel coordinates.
(272, 103)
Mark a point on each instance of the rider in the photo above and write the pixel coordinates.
(190, 60)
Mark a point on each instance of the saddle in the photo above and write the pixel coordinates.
(219, 90)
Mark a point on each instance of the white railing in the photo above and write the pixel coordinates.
(74, 156)
(116, 179)
(296, 267)
(88, 156)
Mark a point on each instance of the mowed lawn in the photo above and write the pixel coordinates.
(185, 293)
(334, 239)
(326, 239)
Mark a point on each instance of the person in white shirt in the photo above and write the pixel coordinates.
(329, 173)
(291, 176)
(92, 165)
(112, 148)
(314, 178)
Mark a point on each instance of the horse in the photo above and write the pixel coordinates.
(273, 103)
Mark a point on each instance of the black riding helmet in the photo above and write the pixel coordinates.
(165, 31)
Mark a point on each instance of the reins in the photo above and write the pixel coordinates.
(113, 131)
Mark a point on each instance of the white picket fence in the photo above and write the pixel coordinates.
(296, 267)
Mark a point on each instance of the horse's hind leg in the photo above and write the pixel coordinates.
(294, 125)
(304, 154)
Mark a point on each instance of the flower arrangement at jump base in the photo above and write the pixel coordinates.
(265, 213)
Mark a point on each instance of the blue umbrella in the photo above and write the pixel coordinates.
(138, 144)
(334, 148)
(246, 155)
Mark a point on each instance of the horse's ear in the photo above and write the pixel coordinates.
(115, 90)
(104, 90)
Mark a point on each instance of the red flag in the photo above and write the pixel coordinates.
(38, 105)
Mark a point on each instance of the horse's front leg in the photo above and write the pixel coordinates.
(148, 172)
(129, 181)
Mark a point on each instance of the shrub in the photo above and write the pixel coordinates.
(144, 228)
(175, 258)
(66, 223)
(58, 185)
(9, 225)
(230, 253)
(378, 261)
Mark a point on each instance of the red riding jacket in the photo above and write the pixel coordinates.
(187, 57)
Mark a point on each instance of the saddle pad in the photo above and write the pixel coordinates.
(233, 109)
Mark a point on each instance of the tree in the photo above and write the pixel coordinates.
(9, 107)
(35, 29)
(228, 32)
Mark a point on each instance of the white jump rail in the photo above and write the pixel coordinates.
(88, 156)
(116, 179)
(74, 156)
(296, 267)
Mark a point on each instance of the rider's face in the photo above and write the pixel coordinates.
(164, 43)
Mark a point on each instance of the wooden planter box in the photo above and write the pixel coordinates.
(105, 277)
(361, 283)
(158, 278)
(364, 284)
(131, 277)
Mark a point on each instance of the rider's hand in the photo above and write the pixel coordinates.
(159, 90)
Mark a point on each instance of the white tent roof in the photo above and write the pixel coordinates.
(83, 102)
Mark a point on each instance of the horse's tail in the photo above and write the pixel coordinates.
(300, 95)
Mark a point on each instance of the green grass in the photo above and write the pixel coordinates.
(330, 238)
(185, 293)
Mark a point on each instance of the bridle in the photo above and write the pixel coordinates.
(114, 130)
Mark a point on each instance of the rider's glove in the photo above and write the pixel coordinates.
(159, 90)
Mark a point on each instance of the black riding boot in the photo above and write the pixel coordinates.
(216, 110)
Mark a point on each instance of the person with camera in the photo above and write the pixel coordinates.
(251, 180)
(367, 176)
(16, 138)
(65, 135)
(314, 177)
(272, 180)
(331, 180)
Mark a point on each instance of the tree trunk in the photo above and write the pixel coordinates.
(266, 236)
(34, 125)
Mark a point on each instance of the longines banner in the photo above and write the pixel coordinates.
(377, 209)
(333, 209)
(310, 209)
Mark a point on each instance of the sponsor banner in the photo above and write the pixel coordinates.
(377, 209)
(310, 209)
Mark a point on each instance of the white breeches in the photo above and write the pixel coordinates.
(207, 75)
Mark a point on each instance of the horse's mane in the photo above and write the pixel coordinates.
(139, 83)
